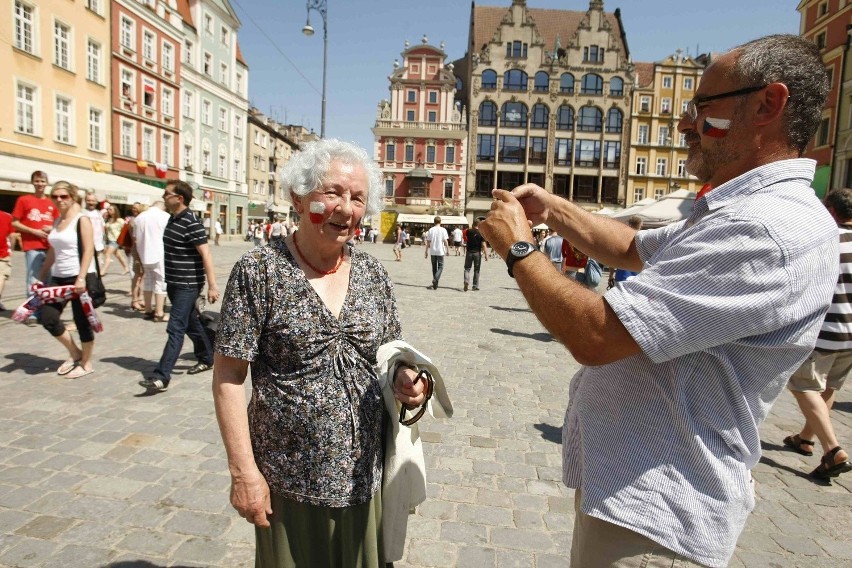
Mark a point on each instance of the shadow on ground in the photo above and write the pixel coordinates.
(550, 433)
(30, 364)
(543, 337)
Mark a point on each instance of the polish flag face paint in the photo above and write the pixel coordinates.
(716, 127)
(316, 212)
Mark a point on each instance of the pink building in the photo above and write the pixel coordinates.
(146, 57)
(421, 135)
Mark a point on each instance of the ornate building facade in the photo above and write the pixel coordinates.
(549, 98)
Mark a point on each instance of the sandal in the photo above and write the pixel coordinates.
(79, 372)
(795, 443)
(149, 316)
(67, 366)
(160, 319)
(829, 468)
(137, 306)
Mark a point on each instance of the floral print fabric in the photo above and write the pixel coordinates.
(316, 414)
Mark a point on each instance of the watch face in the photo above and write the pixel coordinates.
(521, 248)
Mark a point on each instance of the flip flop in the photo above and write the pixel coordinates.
(67, 366)
(79, 372)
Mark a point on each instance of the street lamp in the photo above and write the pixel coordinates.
(320, 6)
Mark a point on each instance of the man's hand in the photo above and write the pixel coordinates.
(507, 222)
(212, 294)
(535, 202)
(250, 497)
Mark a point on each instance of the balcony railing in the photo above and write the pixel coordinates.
(420, 125)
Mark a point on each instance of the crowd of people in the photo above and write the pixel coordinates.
(682, 357)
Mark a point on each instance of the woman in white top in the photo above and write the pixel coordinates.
(62, 263)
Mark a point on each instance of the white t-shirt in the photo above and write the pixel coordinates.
(457, 235)
(97, 228)
(148, 229)
(436, 237)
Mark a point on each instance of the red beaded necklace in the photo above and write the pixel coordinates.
(311, 266)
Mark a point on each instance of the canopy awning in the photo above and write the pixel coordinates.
(430, 219)
(15, 176)
(673, 207)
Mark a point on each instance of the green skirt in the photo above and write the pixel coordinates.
(308, 536)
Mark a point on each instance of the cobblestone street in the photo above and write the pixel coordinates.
(94, 473)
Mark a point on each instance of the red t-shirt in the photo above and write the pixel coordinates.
(5, 231)
(572, 256)
(34, 213)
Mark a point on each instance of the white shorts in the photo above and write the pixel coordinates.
(154, 278)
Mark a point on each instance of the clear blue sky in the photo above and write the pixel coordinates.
(365, 36)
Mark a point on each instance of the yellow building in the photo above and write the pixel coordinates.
(657, 156)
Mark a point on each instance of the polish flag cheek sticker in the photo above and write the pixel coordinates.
(316, 212)
(716, 127)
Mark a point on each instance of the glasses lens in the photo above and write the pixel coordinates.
(60, 197)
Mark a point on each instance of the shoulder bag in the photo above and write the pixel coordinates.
(94, 284)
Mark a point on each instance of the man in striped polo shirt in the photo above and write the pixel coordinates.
(187, 262)
(825, 371)
(684, 360)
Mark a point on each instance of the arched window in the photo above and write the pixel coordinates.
(489, 79)
(614, 120)
(540, 114)
(542, 82)
(565, 118)
(616, 87)
(592, 84)
(487, 114)
(566, 83)
(515, 80)
(514, 114)
(459, 84)
(589, 119)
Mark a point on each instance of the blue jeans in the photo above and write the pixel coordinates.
(183, 320)
(473, 259)
(33, 259)
(437, 269)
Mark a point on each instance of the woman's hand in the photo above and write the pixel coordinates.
(409, 392)
(80, 284)
(250, 497)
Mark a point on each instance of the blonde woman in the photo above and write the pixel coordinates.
(65, 264)
(112, 229)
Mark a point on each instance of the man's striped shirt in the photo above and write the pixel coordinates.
(836, 332)
(183, 263)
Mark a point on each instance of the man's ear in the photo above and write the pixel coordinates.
(773, 101)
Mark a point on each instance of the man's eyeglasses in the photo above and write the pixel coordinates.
(167, 195)
(61, 196)
(691, 111)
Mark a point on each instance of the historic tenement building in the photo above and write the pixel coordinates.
(657, 151)
(548, 93)
(421, 136)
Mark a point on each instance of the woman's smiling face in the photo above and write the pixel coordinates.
(337, 207)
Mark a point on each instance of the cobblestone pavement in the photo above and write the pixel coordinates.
(93, 473)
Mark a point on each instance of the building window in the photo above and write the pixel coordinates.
(644, 104)
(409, 115)
(208, 24)
(659, 192)
(563, 152)
(565, 118)
(25, 27)
(187, 156)
(641, 166)
(226, 37)
(390, 152)
(560, 185)
(540, 115)
(168, 57)
(187, 104)
(642, 134)
(616, 87)
(411, 96)
(238, 84)
(590, 119)
(681, 168)
(820, 40)
(516, 49)
(667, 82)
(409, 152)
(221, 166)
(487, 114)
(433, 116)
(514, 114)
(237, 169)
(25, 109)
(166, 105)
(587, 153)
(206, 113)
(128, 139)
(208, 64)
(148, 144)
(206, 162)
(96, 130)
(93, 61)
(450, 155)
(127, 33)
(255, 162)
(188, 52)
(823, 132)
(823, 9)
(515, 80)
(542, 82)
(430, 154)
(612, 155)
(666, 105)
(484, 183)
(566, 83)
(166, 148)
(149, 52)
(448, 189)
(433, 97)
(513, 149)
(663, 136)
(62, 45)
(389, 187)
(687, 83)
(64, 114)
(150, 93)
(94, 6)
(662, 166)
(614, 120)
(591, 85)
(485, 148)
(127, 84)
(489, 79)
(238, 126)
(538, 150)
(682, 140)
(593, 54)
(223, 74)
(638, 194)
(223, 119)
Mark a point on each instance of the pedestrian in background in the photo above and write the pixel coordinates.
(473, 255)
(826, 370)
(217, 231)
(5, 253)
(683, 362)
(113, 226)
(399, 243)
(552, 247)
(137, 273)
(438, 246)
(94, 213)
(148, 231)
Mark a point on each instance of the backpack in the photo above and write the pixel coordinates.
(593, 273)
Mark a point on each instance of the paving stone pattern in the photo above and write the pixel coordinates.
(94, 473)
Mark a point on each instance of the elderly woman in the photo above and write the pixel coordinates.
(65, 263)
(308, 313)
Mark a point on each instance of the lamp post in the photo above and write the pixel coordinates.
(320, 6)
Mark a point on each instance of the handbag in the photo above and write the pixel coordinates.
(124, 239)
(94, 284)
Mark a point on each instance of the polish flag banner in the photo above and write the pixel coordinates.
(716, 127)
(47, 294)
(161, 169)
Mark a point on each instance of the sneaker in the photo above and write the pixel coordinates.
(465, 286)
(154, 384)
(199, 368)
(32, 321)
(476, 288)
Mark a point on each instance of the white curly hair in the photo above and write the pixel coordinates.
(306, 171)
